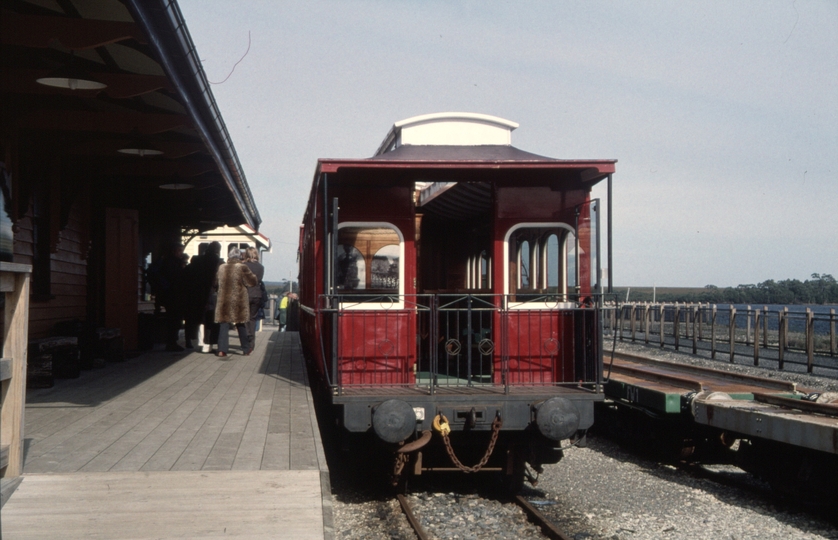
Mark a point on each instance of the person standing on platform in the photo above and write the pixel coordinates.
(165, 277)
(282, 312)
(233, 305)
(254, 294)
(199, 281)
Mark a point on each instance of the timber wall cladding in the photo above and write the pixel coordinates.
(68, 272)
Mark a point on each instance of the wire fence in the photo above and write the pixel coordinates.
(778, 337)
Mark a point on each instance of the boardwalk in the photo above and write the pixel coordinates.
(176, 445)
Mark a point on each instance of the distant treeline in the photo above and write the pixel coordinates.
(820, 289)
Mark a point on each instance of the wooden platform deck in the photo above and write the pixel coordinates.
(176, 445)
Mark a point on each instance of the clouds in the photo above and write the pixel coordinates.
(719, 112)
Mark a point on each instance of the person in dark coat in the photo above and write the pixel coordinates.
(254, 293)
(233, 305)
(167, 284)
(199, 278)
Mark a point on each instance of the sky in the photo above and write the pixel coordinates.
(723, 115)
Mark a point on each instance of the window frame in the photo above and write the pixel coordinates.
(563, 285)
(360, 305)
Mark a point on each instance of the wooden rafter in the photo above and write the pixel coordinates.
(39, 31)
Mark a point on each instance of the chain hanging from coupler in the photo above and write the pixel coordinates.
(441, 425)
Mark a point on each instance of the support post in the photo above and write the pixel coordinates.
(748, 326)
(646, 323)
(13, 389)
(632, 321)
(713, 333)
(661, 324)
(732, 332)
(765, 327)
(756, 336)
(782, 336)
(676, 325)
(832, 331)
(695, 335)
(810, 340)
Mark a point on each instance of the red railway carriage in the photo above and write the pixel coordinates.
(454, 279)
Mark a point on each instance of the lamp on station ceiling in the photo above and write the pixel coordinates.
(72, 77)
(176, 183)
(139, 146)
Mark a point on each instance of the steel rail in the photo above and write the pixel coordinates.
(411, 518)
(547, 528)
(764, 382)
(825, 409)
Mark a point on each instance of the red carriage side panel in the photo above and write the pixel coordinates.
(539, 347)
(377, 347)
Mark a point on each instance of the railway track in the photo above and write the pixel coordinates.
(544, 525)
(700, 415)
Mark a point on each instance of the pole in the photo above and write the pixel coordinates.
(610, 266)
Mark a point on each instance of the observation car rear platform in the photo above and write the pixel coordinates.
(453, 274)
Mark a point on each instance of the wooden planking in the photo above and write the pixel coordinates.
(193, 504)
(199, 413)
(81, 425)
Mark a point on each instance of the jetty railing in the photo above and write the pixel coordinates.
(779, 335)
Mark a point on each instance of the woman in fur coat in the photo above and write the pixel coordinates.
(233, 306)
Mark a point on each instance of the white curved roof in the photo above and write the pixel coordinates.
(449, 129)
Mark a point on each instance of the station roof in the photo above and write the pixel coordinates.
(156, 97)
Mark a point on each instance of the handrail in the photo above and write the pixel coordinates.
(14, 283)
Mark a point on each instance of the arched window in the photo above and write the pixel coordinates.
(542, 260)
(368, 258)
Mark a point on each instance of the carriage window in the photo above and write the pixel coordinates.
(524, 281)
(368, 259)
(351, 269)
(570, 253)
(542, 261)
(551, 262)
(385, 268)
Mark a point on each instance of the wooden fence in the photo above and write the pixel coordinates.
(759, 332)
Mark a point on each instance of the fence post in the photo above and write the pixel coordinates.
(661, 325)
(748, 326)
(810, 340)
(620, 322)
(695, 335)
(781, 336)
(756, 336)
(614, 318)
(700, 321)
(786, 328)
(646, 323)
(732, 332)
(765, 327)
(632, 321)
(832, 331)
(676, 325)
(713, 333)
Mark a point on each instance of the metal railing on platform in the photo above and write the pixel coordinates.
(781, 335)
(438, 341)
